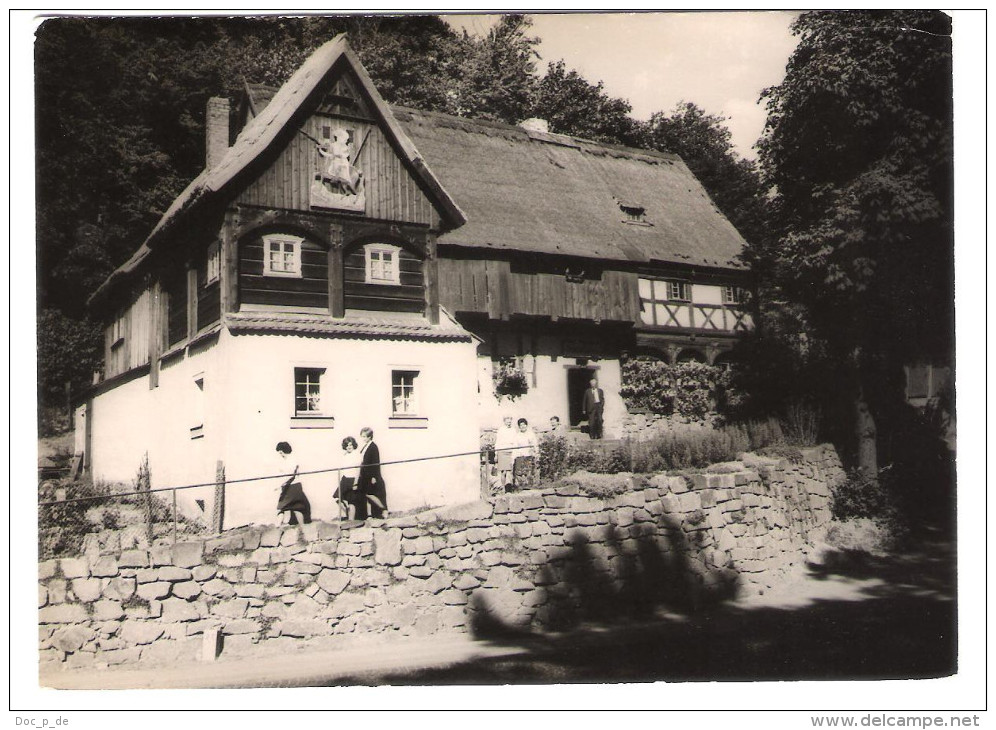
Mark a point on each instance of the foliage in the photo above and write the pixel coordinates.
(859, 497)
(802, 424)
(792, 454)
(63, 525)
(509, 381)
(599, 484)
(689, 389)
(858, 147)
(559, 456)
(704, 144)
(573, 106)
(688, 449)
(68, 352)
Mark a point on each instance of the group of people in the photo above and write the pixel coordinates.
(516, 453)
(361, 492)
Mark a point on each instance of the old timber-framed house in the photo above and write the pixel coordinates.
(344, 263)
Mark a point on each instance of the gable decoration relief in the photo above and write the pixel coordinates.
(338, 183)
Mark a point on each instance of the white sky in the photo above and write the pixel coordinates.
(719, 60)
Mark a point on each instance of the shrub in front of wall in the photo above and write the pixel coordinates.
(592, 484)
(688, 389)
(62, 525)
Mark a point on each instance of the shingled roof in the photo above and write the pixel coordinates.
(553, 194)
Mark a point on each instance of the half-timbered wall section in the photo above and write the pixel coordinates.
(669, 303)
(175, 292)
(389, 191)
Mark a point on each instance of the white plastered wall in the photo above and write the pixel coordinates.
(356, 391)
(549, 396)
(130, 420)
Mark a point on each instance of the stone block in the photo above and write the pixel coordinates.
(107, 610)
(270, 538)
(304, 628)
(438, 582)
(105, 567)
(72, 638)
(231, 608)
(231, 560)
(173, 574)
(42, 596)
(420, 545)
(420, 571)
(134, 558)
(274, 609)
(87, 590)
(218, 588)
(140, 632)
(153, 591)
(248, 574)
(177, 610)
(333, 582)
(349, 549)
(187, 590)
(160, 555)
(466, 512)
(690, 501)
(169, 651)
(249, 590)
(188, 554)
(74, 567)
(46, 569)
(146, 575)
(290, 536)
(240, 626)
(387, 547)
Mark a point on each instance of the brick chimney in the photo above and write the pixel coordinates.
(215, 131)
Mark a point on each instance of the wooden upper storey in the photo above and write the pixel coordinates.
(324, 204)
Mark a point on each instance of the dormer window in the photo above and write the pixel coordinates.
(633, 213)
(282, 256)
(382, 264)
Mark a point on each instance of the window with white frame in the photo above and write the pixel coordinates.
(656, 295)
(213, 262)
(732, 295)
(679, 291)
(282, 255)
(308, 391)
(404, 392)
(382, 264)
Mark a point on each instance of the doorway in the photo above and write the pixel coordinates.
(577, 383)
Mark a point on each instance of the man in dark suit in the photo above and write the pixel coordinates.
(594, 404)
(371, 483)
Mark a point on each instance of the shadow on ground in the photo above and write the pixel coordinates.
(855, 616)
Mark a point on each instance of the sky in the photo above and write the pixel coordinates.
(718, 60)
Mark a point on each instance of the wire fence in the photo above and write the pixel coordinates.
(68, 511)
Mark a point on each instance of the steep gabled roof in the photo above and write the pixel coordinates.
(553, 194)
(264, 129)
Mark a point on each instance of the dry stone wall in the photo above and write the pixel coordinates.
(534, 560)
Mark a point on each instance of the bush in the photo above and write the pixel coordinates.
(686, 450)
(688, 389)
(558, 457)
(63, 525)
(599, 485)
(802, 424)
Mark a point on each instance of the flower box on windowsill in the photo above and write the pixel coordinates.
(327, 422)
(407, 422)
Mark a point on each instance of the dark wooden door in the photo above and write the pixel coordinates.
(577, 383)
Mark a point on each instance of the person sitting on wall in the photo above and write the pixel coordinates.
(505, 440)
(372, 490)
(347, 494)
(593, 406)
(292, 499)
(526, 455)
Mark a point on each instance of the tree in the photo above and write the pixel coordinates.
(704, 143)
(573, 106)
(498, 77)
(858, 146)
